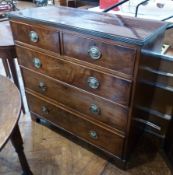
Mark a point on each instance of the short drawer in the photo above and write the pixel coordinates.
(118, 58)
(113, 88)
(45, 38)
(85, 129)
(93, 107)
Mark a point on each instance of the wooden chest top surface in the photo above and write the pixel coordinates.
(116, 27)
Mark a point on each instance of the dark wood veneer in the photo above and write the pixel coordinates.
(77, 75)
(103, 25)
(48, 38)
(112, 55)
(77, 126)
(110, 113)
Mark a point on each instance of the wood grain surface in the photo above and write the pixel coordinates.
(117, 57)
(112, 114)
(10, 106)
(122, 28)
(77, 125)
(77, 75)
(47, 38)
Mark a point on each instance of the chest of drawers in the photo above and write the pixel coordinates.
(80, 71)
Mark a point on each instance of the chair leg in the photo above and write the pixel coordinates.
(13, 71)
(17, 142)
(8, 55)
(6, 67)
(14, 74)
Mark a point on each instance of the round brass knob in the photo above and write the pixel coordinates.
(33, 36)
(42, 86)
(94, 52)
(44, 109)
(94, 109)
(93, 82)
(37, 63)
(93, 134)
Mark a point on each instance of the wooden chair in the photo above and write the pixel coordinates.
(7, 50)
(8, 53)
(10, 108)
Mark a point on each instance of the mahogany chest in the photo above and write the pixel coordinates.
(80, 71)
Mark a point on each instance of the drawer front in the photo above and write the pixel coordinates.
(105, 85)
(93, 107)
(80, 127)
(45, 38)
(116, 57)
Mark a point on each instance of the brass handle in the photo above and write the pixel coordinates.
(93, 134)
(93, 83)
(44, 110)
(33, 36)
(94, 52)
(42, 86)
(95, 109)
(37, 63)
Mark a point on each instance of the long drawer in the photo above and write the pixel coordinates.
(82, 128)
(115, 57)
(105, 85)
(45, 38)
(92, 106)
